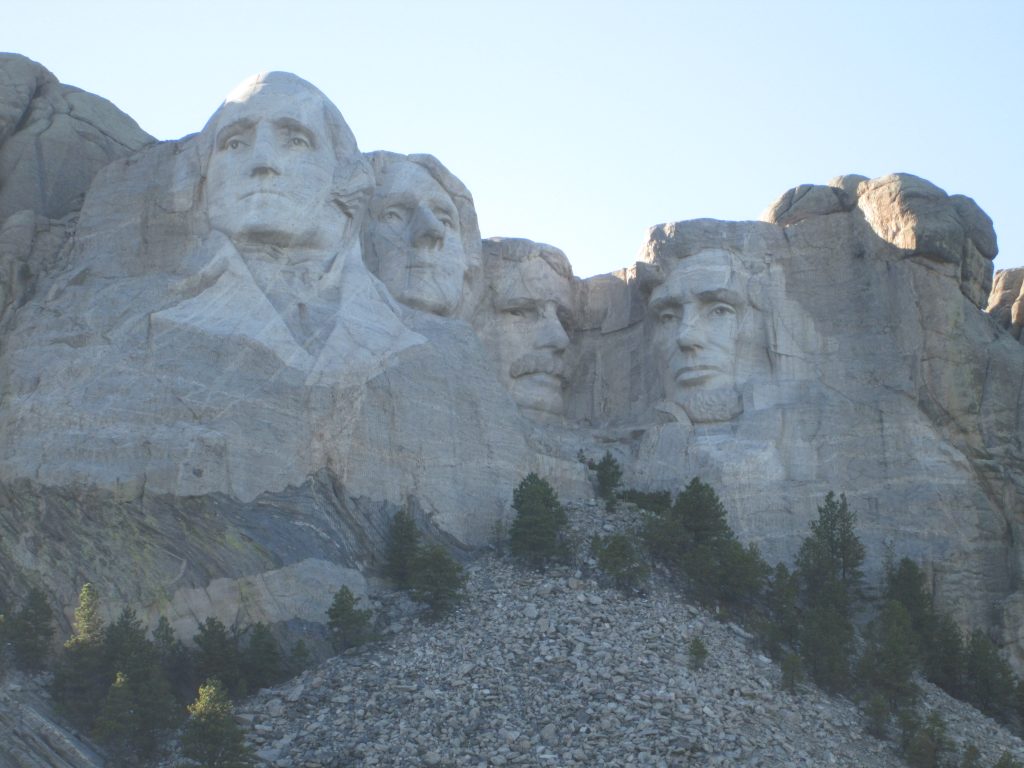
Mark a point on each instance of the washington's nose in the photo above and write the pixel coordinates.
(427, 231)
(264, 154)
(551, 334)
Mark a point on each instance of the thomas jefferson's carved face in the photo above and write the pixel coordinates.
(415, 233)
(531, 305)
(270, 175)
(698, 312)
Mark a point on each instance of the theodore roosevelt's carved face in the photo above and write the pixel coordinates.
(270, 175)
(415, 234)
(525, 325)
(698, 313)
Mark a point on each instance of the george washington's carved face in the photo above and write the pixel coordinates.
(270, 176)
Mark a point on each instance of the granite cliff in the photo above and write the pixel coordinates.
(224, 369)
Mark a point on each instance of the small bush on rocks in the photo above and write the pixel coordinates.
(348, 626)
(698, 652)
(537, 535)
(403, 541)
(619, 558)
(437, 580)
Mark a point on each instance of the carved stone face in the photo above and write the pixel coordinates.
(531, 305)
(415, 231)
(270, 175)
(698, 312)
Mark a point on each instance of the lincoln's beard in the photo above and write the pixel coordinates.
(710, 405)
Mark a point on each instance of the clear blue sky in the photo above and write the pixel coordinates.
(581, 124)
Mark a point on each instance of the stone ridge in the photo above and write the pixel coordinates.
(553, 669)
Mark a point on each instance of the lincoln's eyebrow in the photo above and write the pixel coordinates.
(724, 295)
(668, 300)
(232, 129)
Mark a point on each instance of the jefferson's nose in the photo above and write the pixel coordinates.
(426, 230)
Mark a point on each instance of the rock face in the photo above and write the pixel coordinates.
(221, 378)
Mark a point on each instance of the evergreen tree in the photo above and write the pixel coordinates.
(702, 514)
(88, 626)
(263, 664)
(298, 659)
(833, 554)
(175, 662)
(402, 543)
(828, 565)
(609, 477)
(30, 631)
(82, 678)
(783, 628)
(891, 656)
(437, 579)
(211, 737)
(618, 557)
(537, 529)
(945, 655)
(217, 656)
(138, 705)
(348, 626)
(990, 684)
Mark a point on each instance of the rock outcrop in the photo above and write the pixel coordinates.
(211, 405)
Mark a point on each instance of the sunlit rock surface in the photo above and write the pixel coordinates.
(220, 380)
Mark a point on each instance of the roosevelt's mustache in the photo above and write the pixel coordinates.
(537, 363)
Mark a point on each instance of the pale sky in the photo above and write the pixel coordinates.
(581, 124)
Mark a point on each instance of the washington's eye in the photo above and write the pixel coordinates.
(392, 214)
(233, 143)
(299, 141)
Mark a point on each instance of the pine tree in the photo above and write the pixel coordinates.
(702, 514)
(30, 631)
(175, 662)
(298, 659)
(211, 737)
(138, 705)
(537, 529)
(437, 580)
(217, 656)
(403, 541)
(891, 656)
(88, 626)
(609, 476)
(828, 565)
(990, 685)
(348, 626)
(263, 664)
(81, 678)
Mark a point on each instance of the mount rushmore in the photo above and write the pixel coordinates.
(227, 360)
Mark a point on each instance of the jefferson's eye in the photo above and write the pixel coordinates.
(392, 214)
(299, 141)
(722, 310)
(233, 143)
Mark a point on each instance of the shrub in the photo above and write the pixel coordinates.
(536, 534)
(30, 631)
(211, 737)
(658, 502)
(619, 559)
(877, 710)
(698, 653)
(262, 662)
(217, 656)
(348, 626)
(403, 540)
(891, 656)
(792, 672)
(437, 580)
(609, 476)
(990, 681)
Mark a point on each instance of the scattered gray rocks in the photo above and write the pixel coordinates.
(552, 669)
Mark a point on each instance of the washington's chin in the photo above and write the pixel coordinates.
(274, 219)
(539, 393)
